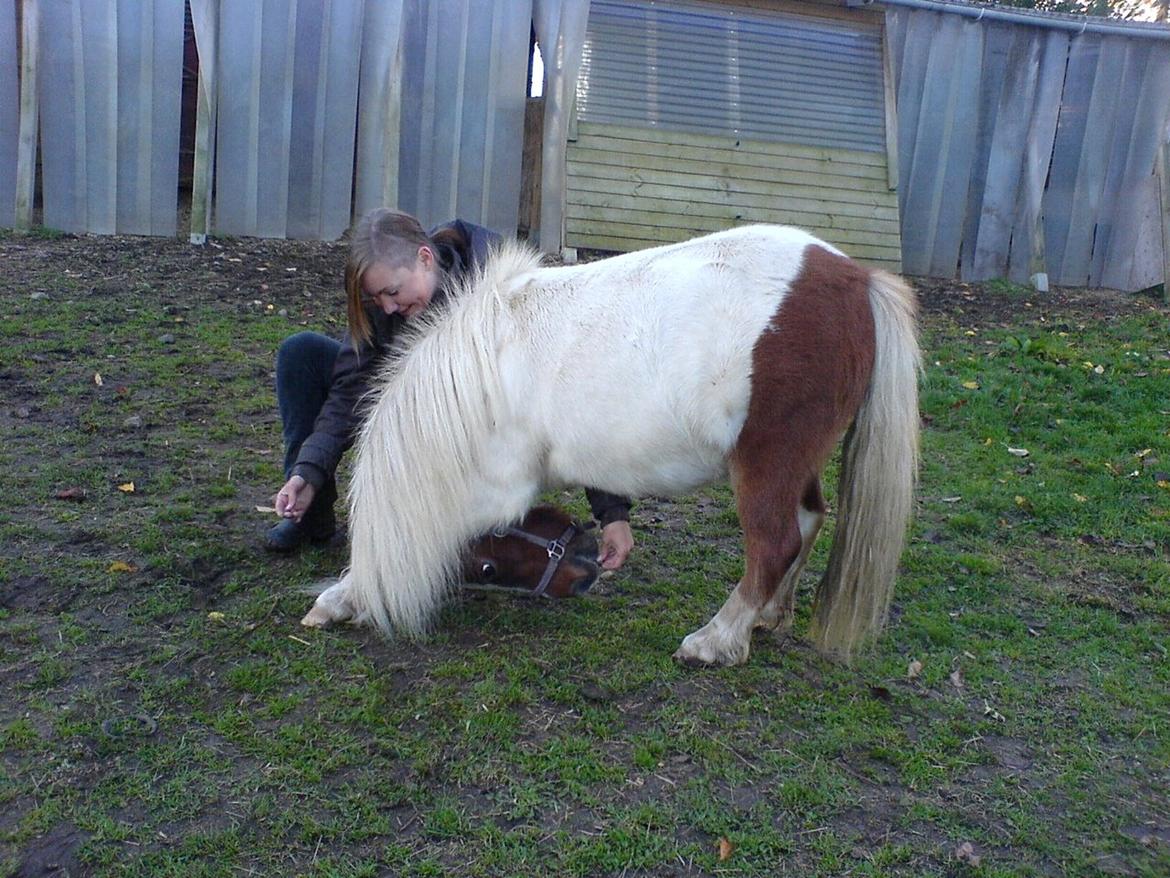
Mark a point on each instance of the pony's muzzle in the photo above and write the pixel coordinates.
(584, 553)
(591, 568)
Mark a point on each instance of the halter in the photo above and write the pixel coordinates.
(556, 553)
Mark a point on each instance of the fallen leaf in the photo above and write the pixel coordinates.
(127, 488)
(990, 711)
(1080, 498)
(914, 670)
(121, 567)
(71, 494)
(725, 849)
(216, 616)
(97, 378)
(971, 385)
(957, 678)
(965, 853)
(1022, 502)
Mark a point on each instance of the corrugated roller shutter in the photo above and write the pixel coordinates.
(717, 69)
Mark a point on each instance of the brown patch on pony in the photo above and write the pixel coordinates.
(810, 372)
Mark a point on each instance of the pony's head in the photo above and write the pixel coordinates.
(547, 553)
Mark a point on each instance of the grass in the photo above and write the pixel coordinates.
(559, 739)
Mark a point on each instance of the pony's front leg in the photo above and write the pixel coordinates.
(726, 639)
(332, 605)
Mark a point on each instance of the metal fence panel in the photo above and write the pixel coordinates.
(106, 65)
(79, 115)
(379, 114)
(254, 91)
(464, 86)
(715, 68)
(324, 97)
(150, 83)
(9, 112)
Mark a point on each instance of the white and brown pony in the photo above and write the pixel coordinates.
(749, 352)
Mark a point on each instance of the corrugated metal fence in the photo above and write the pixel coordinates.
(1025, 150)
(311, 110)
(722, 69)
(1021, 149)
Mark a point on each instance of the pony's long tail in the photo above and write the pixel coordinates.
(879, 465)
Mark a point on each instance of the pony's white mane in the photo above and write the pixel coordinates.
(436, 400)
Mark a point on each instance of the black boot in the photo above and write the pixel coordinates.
(317, 526)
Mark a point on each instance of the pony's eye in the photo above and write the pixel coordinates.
(487, 571)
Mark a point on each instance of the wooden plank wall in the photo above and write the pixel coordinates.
(632, 187)
(1024, 150)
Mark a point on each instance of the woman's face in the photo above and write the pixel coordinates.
(406, 290)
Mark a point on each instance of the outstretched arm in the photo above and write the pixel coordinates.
(617, 540)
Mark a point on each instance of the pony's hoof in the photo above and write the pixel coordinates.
(690, 661)
(702, 652)
(317, 617)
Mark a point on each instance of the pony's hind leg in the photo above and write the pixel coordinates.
(332, 605)
(778, 613)
(779, 529)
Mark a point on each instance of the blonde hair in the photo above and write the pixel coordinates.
(383, 235)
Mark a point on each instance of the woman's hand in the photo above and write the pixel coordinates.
(617, 540)
(293, 500)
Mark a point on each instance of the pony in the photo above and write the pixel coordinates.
(749, 353)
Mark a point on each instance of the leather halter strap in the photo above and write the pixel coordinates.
(555, 548)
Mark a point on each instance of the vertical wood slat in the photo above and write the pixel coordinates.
(922, 186)
(1111, 217)
(205, 20)
(1087, 111)
(1117, 260)
(26, 147)
(1163, 170)
(890, 100)
(1027, 255)
(997, 44)
(1006, 149)
(959, 150)
(339, 121)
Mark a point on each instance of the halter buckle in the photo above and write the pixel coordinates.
(556, 550)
